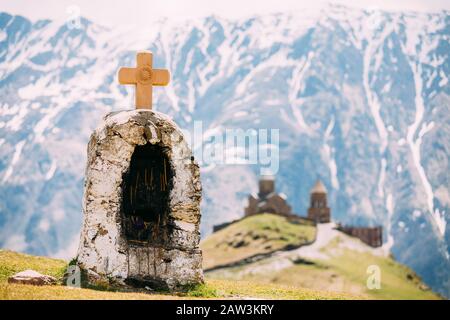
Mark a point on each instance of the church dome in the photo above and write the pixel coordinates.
(319, 187)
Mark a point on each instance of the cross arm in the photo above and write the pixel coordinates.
(161, 77)
(127, 75)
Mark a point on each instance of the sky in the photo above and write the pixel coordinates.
(140, 11)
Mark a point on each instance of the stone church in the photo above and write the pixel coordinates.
(267, 200)
(318, 207)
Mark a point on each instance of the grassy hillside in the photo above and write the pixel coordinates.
(335, 262)
(333, 267)
(257, 234)
(12, 262)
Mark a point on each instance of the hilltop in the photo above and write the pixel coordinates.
(254, 237)
(334, 261)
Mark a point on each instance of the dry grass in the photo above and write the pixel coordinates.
(253, 235)
(344, 271)
(12, 262)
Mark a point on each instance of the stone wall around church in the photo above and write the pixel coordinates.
(372, 236)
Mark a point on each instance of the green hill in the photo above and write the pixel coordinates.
(260, 234)
(335, 262)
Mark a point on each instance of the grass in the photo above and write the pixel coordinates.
(397, 280)
(344, 271)
(12, 262)
(248, 289)
(257, 234)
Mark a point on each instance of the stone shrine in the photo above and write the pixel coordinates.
(142, 193)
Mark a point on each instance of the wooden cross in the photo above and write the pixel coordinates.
(144, 78)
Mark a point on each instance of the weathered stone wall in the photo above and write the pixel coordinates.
(104, 251)
(371, 236)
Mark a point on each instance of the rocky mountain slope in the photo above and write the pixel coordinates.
(361, 99)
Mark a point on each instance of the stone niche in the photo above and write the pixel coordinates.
(141, 204)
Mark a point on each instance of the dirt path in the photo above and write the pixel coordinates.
(325, 233)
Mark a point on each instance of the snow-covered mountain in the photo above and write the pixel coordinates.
(361, 98)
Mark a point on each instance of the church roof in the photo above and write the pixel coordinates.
(270, 195)
(319, 187)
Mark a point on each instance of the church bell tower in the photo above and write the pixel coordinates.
(319, 210)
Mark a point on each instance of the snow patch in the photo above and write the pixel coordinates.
(382, 177)
(387, 246)
(51, 171)
(415, 145)
(17, 152)
(444, 79)
(3, 35)
(16, 242)
(329, 156)
(44, 225)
